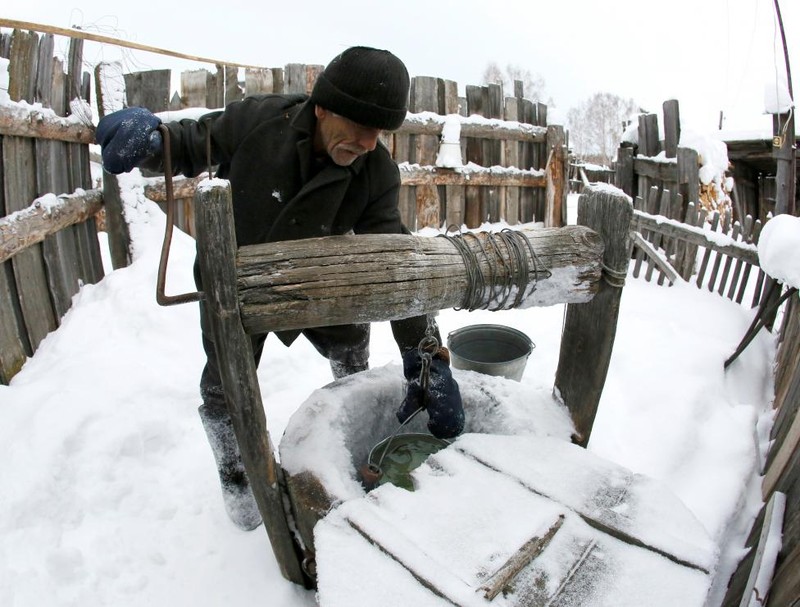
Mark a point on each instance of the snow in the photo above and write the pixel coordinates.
(777, 99)
(110, 493)
(778, 245)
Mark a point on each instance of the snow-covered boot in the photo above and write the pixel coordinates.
(236, 492)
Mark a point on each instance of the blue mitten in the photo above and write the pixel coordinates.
(443, 398)
(127, 138)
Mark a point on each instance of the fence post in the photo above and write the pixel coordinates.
(556, 191)
(119, 239)
(216, 246)
(590, 328)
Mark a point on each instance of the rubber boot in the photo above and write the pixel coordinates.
(238, 497)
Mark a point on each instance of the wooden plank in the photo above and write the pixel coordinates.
(89, 258)
(694, 235)
(653, 255)
(638, 253)
(658, 236)
(556, 170)
(14, 345)
(424, 97)
(523, 133)
(506, 574)
(589, 329)
(20, 189)
(296, 81)
(649, 144)
(410, 175)
(707, 254)
(663, 170)
(773, 518)
(737, 228)
(195, 86)
(688, 165)
(257, 81)
(149, 89)
(624, 171)
(511, 154)
(492, 153)
(788, 447)
(216, 243)
(119, 239)
(368, 278)
(233, 92)
(473, 195)
(672, 127)
(45, 216)
(58, 247)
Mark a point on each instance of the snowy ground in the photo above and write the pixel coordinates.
(110, 494)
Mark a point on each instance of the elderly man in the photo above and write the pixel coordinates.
(299, 167)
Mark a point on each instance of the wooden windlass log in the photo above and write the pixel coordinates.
(367, 278)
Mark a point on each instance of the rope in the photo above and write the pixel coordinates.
(519, 267)
(614, 278)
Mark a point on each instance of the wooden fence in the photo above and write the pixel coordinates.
(498, 132)
(48, 247)
(39, 157)
(781, 484)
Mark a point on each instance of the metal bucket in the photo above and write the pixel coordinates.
(490, 349)
(394, 458)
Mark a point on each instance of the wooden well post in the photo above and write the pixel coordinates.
(589, 329)
(216, 246)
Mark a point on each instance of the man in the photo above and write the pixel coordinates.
(299, 167)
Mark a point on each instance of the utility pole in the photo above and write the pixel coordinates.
(784, 140)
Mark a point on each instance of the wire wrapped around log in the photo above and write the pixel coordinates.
(338, 280)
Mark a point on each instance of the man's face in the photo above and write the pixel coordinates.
(341, 138)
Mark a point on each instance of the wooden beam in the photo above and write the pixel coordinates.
(651, 253)
(484, 128)
(410, 175)
(47, 215)
(368, 278)
(43, 123)
(695, 235)
(84, 35)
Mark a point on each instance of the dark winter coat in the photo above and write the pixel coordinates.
(264, 147)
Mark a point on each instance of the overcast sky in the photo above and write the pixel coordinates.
(711, 55)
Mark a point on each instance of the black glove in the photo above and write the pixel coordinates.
(443, 399)
(127, 138)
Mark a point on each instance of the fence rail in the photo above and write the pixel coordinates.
(697, 249)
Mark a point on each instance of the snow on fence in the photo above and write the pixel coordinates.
(49, 243)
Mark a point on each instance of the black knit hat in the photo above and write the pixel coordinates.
(367, 85)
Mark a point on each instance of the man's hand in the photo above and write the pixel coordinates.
(127, 138)
(442, 399)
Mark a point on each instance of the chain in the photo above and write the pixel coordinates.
(428, 346)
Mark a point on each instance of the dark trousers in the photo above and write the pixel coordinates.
(345, 346)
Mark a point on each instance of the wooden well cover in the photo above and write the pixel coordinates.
(515, 520)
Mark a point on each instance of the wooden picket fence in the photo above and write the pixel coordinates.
(37, 283)
(698, 249)
(499, 134)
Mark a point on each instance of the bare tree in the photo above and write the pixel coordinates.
(533, 85)
(596, 126)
